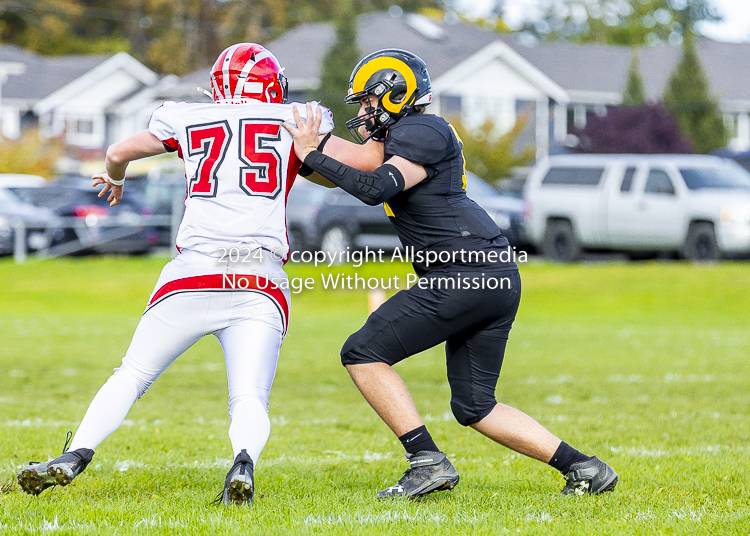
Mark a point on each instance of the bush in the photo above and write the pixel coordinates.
(646, 129)
(30, 154)
(490, 156)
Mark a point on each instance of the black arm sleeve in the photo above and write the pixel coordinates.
(371, 188)
(305, 171)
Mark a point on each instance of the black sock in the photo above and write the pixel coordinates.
(418, 439)
(565, 456)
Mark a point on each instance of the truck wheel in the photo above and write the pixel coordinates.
(560, 242)
(700, 244)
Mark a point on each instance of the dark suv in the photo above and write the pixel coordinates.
(329, 219)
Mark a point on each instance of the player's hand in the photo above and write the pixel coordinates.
(115, 192)
(305, 136)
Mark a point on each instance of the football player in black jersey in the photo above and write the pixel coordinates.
(423, 187)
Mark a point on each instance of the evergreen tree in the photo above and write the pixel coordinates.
(338, 63)
(687, 97)
(634, 95)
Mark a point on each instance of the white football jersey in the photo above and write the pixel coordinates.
(239, 165)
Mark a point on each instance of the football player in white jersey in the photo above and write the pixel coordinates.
(228, 279)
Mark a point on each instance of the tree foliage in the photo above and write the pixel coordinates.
(170, 36)
(494, 157)
(645, 129)
(619, 22)
(30, 154)
(337, 67)
(635, 94)
(54, 27)
(697, 112)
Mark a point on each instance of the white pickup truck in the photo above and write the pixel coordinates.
(694, 205)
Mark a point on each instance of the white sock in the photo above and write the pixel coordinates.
(250, 427)
(107, 410)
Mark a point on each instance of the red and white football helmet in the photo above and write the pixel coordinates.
(246, 72)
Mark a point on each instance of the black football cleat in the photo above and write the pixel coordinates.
(429, 472)
(36, 477)
(592, 476)
(239, 485)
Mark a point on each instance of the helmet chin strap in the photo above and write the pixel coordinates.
(205, 92)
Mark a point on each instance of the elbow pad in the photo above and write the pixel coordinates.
(371, 188)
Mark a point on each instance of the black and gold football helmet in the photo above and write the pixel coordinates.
(399, 80)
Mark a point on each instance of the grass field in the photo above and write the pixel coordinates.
(645, 365)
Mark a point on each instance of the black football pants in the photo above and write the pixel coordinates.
(474, 324)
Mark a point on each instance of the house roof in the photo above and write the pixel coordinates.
(440, 44)
(186, 88)
(604, 68)
(590, 71)
(44, 74)
(141, 76)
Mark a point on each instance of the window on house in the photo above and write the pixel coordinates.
(658, 182)
(627, 180)
(730, 124)
(450, 106)
(84, 126)
(571, 120)
(573, 176)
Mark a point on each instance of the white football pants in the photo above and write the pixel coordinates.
(189, 301)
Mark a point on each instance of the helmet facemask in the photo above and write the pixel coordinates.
(376, 120)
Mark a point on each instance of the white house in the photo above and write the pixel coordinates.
(72, 96)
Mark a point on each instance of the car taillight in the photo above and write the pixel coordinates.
(83, 211)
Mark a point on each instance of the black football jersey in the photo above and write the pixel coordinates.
(436, 215)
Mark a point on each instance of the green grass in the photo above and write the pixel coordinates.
(645, 365)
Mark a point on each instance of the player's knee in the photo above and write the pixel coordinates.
(140, 382)
(358, 348)
(468, 411)
(254, 404)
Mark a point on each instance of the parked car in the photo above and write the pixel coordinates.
(694, 205)
(508, 211)
(741, 157)
(330, 219)
(162, 194)
(16, 180)
(98, 227)
(42, 226)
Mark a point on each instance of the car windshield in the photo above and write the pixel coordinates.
(306, 193)
(476, 187)
(7, 197)
(725, 177)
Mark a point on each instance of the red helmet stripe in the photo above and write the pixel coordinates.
(246, 70)
(226, 63)
(216, 86)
